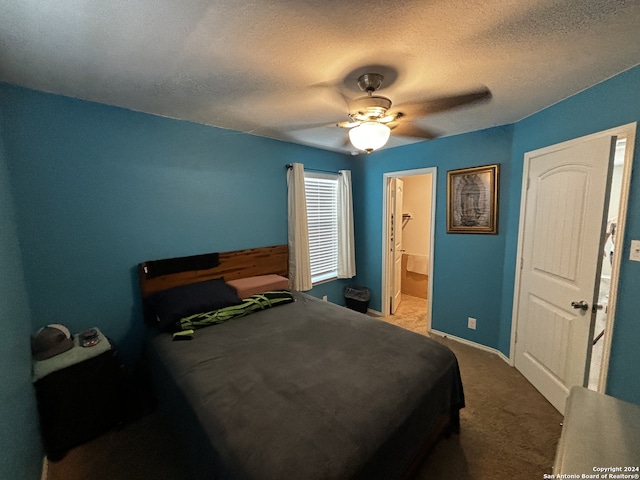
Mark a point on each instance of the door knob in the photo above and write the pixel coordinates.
(582, 305)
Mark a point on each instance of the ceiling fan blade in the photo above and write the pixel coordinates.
(347, 124)
(306, 126)
(442, 104)
(407, 129)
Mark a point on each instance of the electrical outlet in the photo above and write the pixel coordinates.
(324, 297)
(471, 323)
(635, 251)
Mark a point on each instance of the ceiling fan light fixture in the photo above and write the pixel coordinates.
(369, 136)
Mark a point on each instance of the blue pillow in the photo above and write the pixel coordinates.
(175, 303)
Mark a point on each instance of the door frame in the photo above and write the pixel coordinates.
(386, 204)
(627, 131)
(395, 231)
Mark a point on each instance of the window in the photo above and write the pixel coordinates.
(321, 192)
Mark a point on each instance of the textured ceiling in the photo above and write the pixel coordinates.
(276, 68)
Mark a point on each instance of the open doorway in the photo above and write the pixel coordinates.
(409, 206)
(604, 312)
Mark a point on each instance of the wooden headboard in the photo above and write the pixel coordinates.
(231, 266)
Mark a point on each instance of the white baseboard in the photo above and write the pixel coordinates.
(472, 344)
(45, 468)
(457, 339)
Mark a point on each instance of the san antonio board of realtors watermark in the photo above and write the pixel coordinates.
(599, 473)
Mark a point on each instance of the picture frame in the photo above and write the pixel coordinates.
(472, 200)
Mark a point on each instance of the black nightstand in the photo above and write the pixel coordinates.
(79, 394)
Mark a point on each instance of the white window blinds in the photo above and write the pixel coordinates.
(322, 218)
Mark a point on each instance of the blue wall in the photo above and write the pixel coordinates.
(93, 190)
(100, 189)
(474, 274)
(20, 452)
(606, 105)
(467, 277)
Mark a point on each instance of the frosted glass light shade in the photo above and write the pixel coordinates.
(369, 136)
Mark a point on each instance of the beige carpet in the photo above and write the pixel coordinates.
(508, 430)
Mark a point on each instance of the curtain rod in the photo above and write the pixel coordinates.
(289, 166)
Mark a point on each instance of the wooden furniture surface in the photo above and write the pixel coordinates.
(232, 266)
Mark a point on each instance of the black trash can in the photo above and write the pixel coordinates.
(357, 298)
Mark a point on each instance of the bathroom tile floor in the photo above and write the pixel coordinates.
(411, 314)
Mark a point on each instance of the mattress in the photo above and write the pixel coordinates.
(307, 390)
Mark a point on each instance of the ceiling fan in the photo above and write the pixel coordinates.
(371, 119)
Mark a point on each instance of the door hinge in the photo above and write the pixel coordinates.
(521, 263)
(528, 182)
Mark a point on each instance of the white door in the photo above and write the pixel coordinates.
(563, 220)
(396, 242)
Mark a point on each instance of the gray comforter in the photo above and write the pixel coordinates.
(307, 390)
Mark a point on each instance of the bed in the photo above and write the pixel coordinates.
(301, 390)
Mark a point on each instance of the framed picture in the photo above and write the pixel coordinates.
(472, 200)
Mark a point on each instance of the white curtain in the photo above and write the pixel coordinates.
(298, 234)
(346, 246)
